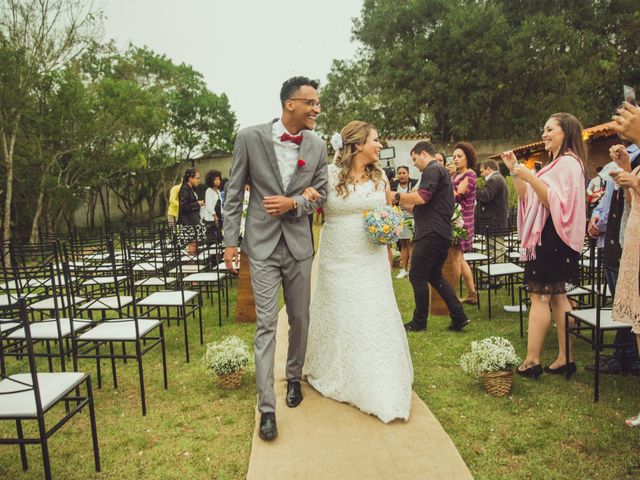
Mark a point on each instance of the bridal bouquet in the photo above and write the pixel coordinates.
(383, 224)
(457, 222)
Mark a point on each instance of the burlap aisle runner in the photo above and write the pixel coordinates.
(325, 439)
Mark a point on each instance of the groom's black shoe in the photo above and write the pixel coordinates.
(414, 326)
(268, 429)
(294, 394)
(457, 327)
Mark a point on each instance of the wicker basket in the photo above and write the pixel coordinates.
(497, 384)
(231, 381)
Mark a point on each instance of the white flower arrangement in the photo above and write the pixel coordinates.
(226, 357)
(492, 354)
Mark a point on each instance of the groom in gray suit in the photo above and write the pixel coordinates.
(286, 166)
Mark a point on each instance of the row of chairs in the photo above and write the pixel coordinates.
(96, 297)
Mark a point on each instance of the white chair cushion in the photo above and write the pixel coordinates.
(48, 330)
(577, 291)
(501, 269)
(145, 267)
(106, 303)
(167, 299)
(186, 269)
(204, 277)
(588, 316)
(48, 303)
(6, 326)
(53, 386)
(7, 299)
(474, 257)
(155, 281)
(119, 330)
(104, 280)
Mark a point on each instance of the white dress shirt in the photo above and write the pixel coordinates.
(209, 209)
(287, 153)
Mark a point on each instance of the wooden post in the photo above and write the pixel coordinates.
(437, 305)
(246, 307)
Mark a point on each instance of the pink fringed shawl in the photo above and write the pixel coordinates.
(565, 181)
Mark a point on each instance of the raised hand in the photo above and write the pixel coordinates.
(522, 172)
(509, 158)
(626, 179)
(619, 154)
(628, 122)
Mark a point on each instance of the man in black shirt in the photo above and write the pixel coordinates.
(432, 213)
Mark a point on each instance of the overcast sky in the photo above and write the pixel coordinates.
(244, 48)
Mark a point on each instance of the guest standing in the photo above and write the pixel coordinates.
(404, 184)
(211, 210)
(626, 307)
(433, 207)
(173, 210)
(605, 226)
(492, 200)
(189, 216)
(551, 228)
(464, 190)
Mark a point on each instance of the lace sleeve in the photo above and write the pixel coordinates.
(333, 176)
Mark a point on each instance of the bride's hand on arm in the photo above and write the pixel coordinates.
(311, 194)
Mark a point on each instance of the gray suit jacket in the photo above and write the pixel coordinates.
(254, 161)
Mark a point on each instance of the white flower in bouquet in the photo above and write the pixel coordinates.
(492, 354)
(226, 357)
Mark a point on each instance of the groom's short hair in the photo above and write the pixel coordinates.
(424, 146)
(291, 86)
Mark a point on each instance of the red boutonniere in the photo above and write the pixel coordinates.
(301, 163)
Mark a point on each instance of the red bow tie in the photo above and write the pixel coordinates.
(297, 139)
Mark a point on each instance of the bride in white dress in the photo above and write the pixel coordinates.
(357, 350)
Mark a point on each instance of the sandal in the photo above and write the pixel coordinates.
(470, 299)
(633, 422)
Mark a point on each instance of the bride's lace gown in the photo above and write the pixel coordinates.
(357, 350)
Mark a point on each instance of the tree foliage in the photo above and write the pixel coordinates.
(81, 121)
(484, 69)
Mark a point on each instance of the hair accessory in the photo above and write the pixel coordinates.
(336, 141)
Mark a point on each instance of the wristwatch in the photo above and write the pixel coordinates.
(396, 198)
(295, 204)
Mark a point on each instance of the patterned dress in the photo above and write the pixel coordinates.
(626, 306)
(467, 202)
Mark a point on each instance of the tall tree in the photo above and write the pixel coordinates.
(37, 37)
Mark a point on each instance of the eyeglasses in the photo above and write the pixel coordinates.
(309, 101)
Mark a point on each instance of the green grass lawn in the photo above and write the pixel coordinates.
(549, 429)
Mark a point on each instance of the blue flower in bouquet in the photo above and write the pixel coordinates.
(383, 224)
(457, 222)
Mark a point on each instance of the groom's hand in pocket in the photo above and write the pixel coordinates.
(276, 205)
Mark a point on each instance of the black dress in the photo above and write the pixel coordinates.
(556, 267)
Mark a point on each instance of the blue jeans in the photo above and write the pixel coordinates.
(629, 354)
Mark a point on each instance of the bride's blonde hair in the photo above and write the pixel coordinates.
(354, 134)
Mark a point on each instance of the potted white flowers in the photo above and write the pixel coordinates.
(493, 359)
(227, 359)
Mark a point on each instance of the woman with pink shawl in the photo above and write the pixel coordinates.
(551, 229)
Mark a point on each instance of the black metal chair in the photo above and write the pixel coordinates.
(144, 333)
(31, 396)
(597, 322)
